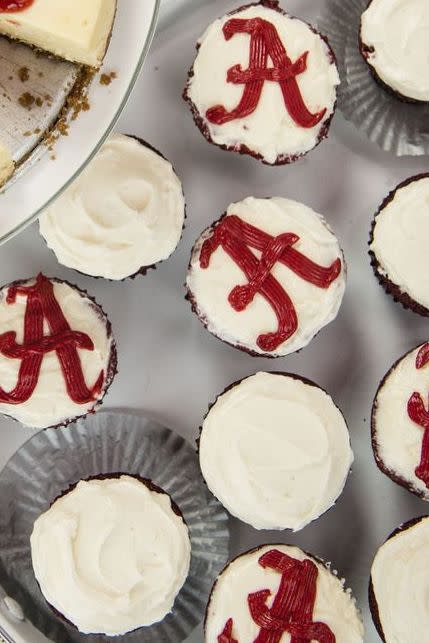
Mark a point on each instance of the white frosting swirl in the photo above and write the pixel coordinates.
(125, 211)
(269, 131)
(111, 555)
(401, 585)
(398, 30)
(397, 438)
(334, 606)
(315, 307)
(275, 451)
(400, 240)
(6, 164)
(50, 403)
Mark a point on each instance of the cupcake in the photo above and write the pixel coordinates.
(275, 451)
(124, 214)
(111, 554)
(399, 584)
(278, 592)
(7, 165)
(398, 247)
(267, 276)
(400, 422)
(57, 353)
(394, 42)
(263, 83)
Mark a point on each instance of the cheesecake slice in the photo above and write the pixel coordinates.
(7, 165)
(75, 30)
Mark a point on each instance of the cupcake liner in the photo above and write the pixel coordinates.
(395, 126)
(53, 460)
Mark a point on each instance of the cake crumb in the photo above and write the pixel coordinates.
(76, 102)
(106, 79)
(26, 100)
(23, 74)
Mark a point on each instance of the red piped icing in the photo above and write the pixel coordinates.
(13, 6)
(235, 236)
(417, 413)
(265, 43)
(42, 306)
(292, 609)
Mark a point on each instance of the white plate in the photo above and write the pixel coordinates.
(34, 187)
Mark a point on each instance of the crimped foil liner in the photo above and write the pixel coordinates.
(395, 126)
(53, 460)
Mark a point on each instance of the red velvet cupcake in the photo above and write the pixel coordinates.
(398, 244)
(395, 44)
(399, 584)
(263, 83)
(267, 277)
(57, 352)
(279, 591)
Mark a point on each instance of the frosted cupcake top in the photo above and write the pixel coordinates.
(111, 555)
(57, 353)
(401, 585)
(399, 238)
(263, 82)
(125, 212)
(279, 592)
(395, 36)
(267, 276)
(275, 451)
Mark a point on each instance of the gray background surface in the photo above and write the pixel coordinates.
(171, 368)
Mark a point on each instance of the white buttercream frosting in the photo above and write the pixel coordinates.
(275, 451)
(333, 606)
(50, 404)
(397, 438)
(398, 30)
(315, 307)
(269, 131)
(7, 165)
(400, 240)
(125, 211)
(111, 555)
(401, 585)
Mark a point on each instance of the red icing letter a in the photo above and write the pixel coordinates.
(236, 237)
(265, 42)
(42, 306)
(291, 610)
(418, 414)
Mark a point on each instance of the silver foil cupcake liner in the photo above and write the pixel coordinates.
(53, 460)
(395, 126)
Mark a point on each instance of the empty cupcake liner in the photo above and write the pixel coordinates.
(395, 126)
(53, 460)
